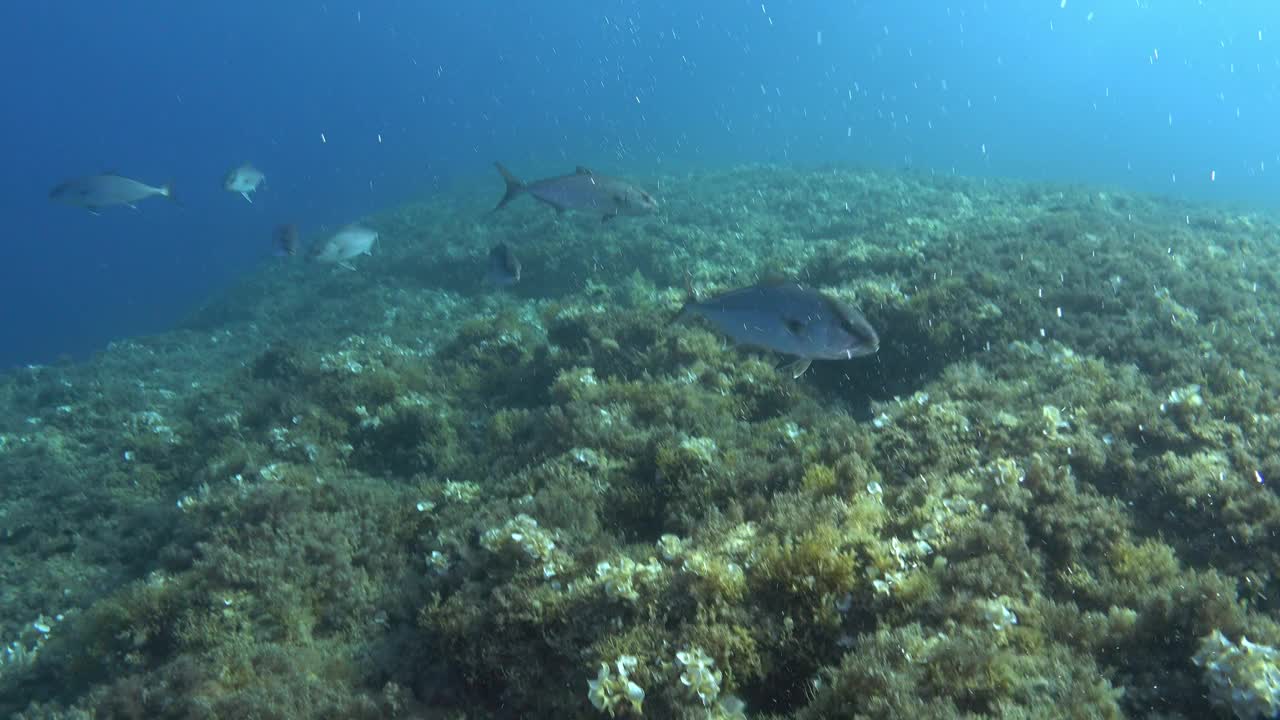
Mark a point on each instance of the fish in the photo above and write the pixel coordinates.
(244, 180)
(95, 192)
(583, 190)
(504, 267)
(340, 248)
(285, 240)
(788, 319)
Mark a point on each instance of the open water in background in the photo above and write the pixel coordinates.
(420, 97)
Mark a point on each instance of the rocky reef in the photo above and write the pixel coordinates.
(395, 492)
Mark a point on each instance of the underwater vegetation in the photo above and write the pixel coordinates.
(398, 492)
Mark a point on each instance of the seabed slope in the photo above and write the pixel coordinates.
(394, 493)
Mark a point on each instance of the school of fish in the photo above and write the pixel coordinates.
(798, 323)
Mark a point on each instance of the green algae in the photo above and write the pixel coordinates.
(389, 494)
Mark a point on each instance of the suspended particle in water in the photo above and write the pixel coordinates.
(819, 38)
(323, 139)
(1213, 175)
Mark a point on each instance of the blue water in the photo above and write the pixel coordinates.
(412, 98)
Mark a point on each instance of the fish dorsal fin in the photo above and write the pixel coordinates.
(580, 170)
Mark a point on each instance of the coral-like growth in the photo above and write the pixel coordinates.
(616, 694)
(1243, 678)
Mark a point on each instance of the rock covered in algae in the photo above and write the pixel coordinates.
(1052, 479)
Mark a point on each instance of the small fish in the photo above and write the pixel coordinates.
(350, 242)
(95, 192)
(583, 190)
(244, 180)
(285, 240)
(790, 320)
(504, 267)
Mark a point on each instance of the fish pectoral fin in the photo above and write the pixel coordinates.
(797, 367)
(347, 266)
(246, 196)
(795, 327)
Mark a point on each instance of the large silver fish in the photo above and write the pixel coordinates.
(95, 192)
(790, 320)
(245, 180)
(340, 248)
(583, 190)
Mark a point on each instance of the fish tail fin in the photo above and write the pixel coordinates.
(690, 292)
(514, 186)
(690, 299)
